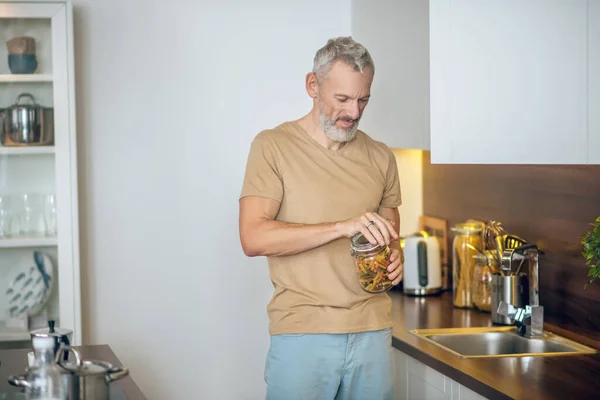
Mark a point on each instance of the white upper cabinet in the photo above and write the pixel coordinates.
(594, 81)
(515, 82)
(397, 36)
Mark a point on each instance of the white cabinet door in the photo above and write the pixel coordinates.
(509, 81)
(594, 81)
(416, 381)
(396, 34)
(460, 392)
(400, 389)
(424, 382)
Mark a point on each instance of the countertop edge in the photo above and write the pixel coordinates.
(455, 374)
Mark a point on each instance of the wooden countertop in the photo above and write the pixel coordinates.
(14, 362)
(533, 378)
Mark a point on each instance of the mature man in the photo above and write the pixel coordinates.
(310, 185)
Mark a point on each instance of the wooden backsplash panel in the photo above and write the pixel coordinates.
(551, 206)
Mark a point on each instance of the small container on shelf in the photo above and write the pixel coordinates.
(371, 262)
(21, 55)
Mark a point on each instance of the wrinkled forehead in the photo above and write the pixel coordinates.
(344, 77)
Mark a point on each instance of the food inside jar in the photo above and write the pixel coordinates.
(372, 272)
(464, 264)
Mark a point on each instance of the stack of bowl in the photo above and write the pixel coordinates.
(21, 55)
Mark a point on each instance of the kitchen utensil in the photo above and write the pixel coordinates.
(70, 384)
(21, 45)
(29, 124)
(422, 265)
(67, 381)
(61, 336)
(513, 241)
(91, 378)
(491, 230)
(116, 393)
(22, 63)
(506, 262)
(82, 379)
(30, 285)
(513, 289)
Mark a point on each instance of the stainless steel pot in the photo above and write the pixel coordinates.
(31, 125)
(82, 379)
(70, 385)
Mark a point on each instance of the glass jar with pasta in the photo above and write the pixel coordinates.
(467, 241)
(486, 265)
(371, 261)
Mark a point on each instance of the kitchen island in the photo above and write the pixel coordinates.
(14, 362)
(532, 378)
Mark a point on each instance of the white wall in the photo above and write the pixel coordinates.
(410, 171)
(168, 99)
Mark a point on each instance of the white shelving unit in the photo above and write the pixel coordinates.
(24, 151)
(29, 78)
(41, 169)
(13, 243)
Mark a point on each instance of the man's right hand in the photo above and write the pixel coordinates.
(373, 226)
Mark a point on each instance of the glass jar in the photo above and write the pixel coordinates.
(468, 238)
(485, 265)
(371, 261)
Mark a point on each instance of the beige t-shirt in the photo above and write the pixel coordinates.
(318, 291)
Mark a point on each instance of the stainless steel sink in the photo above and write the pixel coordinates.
(500, 342)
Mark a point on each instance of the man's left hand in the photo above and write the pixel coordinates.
(395, 267)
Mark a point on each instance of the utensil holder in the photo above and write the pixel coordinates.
(511, 289)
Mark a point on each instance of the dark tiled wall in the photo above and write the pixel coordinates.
(547, 205)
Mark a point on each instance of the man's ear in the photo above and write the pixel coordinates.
(312, 85)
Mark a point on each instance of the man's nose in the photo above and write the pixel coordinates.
(354, 110)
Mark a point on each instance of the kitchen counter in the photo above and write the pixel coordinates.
(14, 362)
(533, 378)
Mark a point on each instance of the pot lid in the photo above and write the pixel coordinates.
(88, 367)
(51, 331)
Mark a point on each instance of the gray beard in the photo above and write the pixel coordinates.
(332, 132)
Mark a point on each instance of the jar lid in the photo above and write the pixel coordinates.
(467, 227)
(360, 243)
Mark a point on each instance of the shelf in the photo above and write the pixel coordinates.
(23, 78)
(28, 242)
(14, 335)
(20, 151)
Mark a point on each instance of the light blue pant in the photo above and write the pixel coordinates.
(355, 366)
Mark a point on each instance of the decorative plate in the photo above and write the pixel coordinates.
(30, 285)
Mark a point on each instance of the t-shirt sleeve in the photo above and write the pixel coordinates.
(262, 177)
(392, 195)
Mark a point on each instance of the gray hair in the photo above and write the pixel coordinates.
(343, 49)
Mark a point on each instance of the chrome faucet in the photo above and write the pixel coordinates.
(529, 320)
